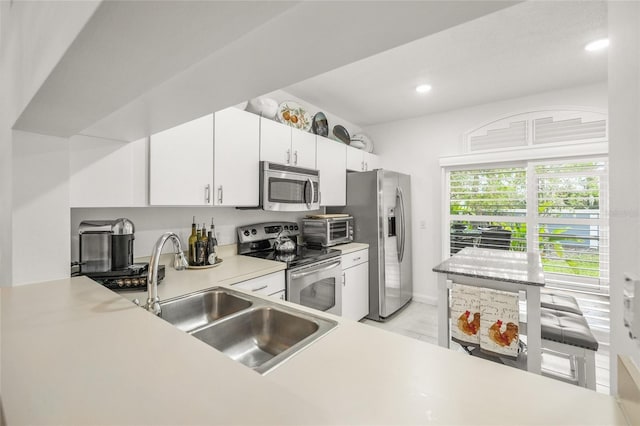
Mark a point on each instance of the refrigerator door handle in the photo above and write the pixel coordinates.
(401, 237)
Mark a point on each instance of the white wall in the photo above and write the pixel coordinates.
(151, 222)
(624, 157)
(414, 146)
(40, 207)
(32, 41)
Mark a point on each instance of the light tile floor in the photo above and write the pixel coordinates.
(420, 321)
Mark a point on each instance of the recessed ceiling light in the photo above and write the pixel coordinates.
(423, 88)
(597, 45)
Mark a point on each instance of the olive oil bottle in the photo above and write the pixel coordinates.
(192, 244)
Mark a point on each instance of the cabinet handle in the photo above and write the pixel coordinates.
(220, 194)
(356, 259)
(344, 279)
(295, 157)
(366, 166)
(362, 166)
(288, 156)
(260, 288)
(207, 194)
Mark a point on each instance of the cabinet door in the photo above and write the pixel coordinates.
(271, 285)
(303, 148)
(355, 159)
(331, 161)
(355, 293)
(371, 161)
(275, 142)
(181, 164)
(107, 173)
(236, 158)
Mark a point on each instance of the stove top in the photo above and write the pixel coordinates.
(301, 257)
(259, 240)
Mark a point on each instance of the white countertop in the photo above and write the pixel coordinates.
(77, 353)
(500, 265)
(232, 270)
(351, 247)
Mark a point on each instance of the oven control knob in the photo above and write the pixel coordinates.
(253, 231)
(286, 227)
(246, 233)
(295, 227)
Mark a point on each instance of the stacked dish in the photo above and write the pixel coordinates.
(361, 141)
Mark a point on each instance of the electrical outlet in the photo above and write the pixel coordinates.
(423, 224)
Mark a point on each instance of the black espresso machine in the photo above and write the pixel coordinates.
(106, 255)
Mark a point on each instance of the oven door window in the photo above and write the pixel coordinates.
(320, 294)
(338, 231)
(292, 191)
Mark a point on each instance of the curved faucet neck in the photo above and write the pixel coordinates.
(153, 302)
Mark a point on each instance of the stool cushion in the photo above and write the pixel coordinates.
(559, 302)
(567, 328)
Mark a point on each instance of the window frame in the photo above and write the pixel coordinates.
(532, 220)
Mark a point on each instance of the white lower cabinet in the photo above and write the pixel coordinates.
(355, 284)
(270, 285)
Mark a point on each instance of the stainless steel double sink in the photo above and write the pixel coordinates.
(253, 331)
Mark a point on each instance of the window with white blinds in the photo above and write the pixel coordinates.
(557, 207)
(571, 223)
(488, 208)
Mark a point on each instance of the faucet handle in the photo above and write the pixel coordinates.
(180, 262)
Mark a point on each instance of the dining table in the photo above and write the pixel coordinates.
(505, 270)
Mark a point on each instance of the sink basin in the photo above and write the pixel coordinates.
(256, 337)
(256, 332)
(196, 310)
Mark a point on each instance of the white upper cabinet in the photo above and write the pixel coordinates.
(213, 160)
(361, 161)
(236, 158)
(107, 173)
(331, 162)
(181, 164)
(303, 147)
(283, 144)
(275, 142)
(371, 161)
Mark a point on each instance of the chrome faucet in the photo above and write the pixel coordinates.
(179, 263)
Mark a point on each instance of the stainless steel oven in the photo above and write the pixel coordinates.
(317, 285)
(313, 274)
(286, 188)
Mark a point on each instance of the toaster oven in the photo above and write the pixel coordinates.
(327, 232)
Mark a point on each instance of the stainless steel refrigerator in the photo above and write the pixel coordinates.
(380, 203)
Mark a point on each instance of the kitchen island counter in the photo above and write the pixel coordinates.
(77, 353)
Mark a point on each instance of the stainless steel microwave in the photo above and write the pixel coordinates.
(288, 189)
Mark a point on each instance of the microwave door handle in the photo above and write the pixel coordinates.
(315, 270)
(313, 193)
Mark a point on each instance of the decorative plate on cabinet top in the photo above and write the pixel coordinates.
(320, 125)
(294, 115)
(341, 134)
